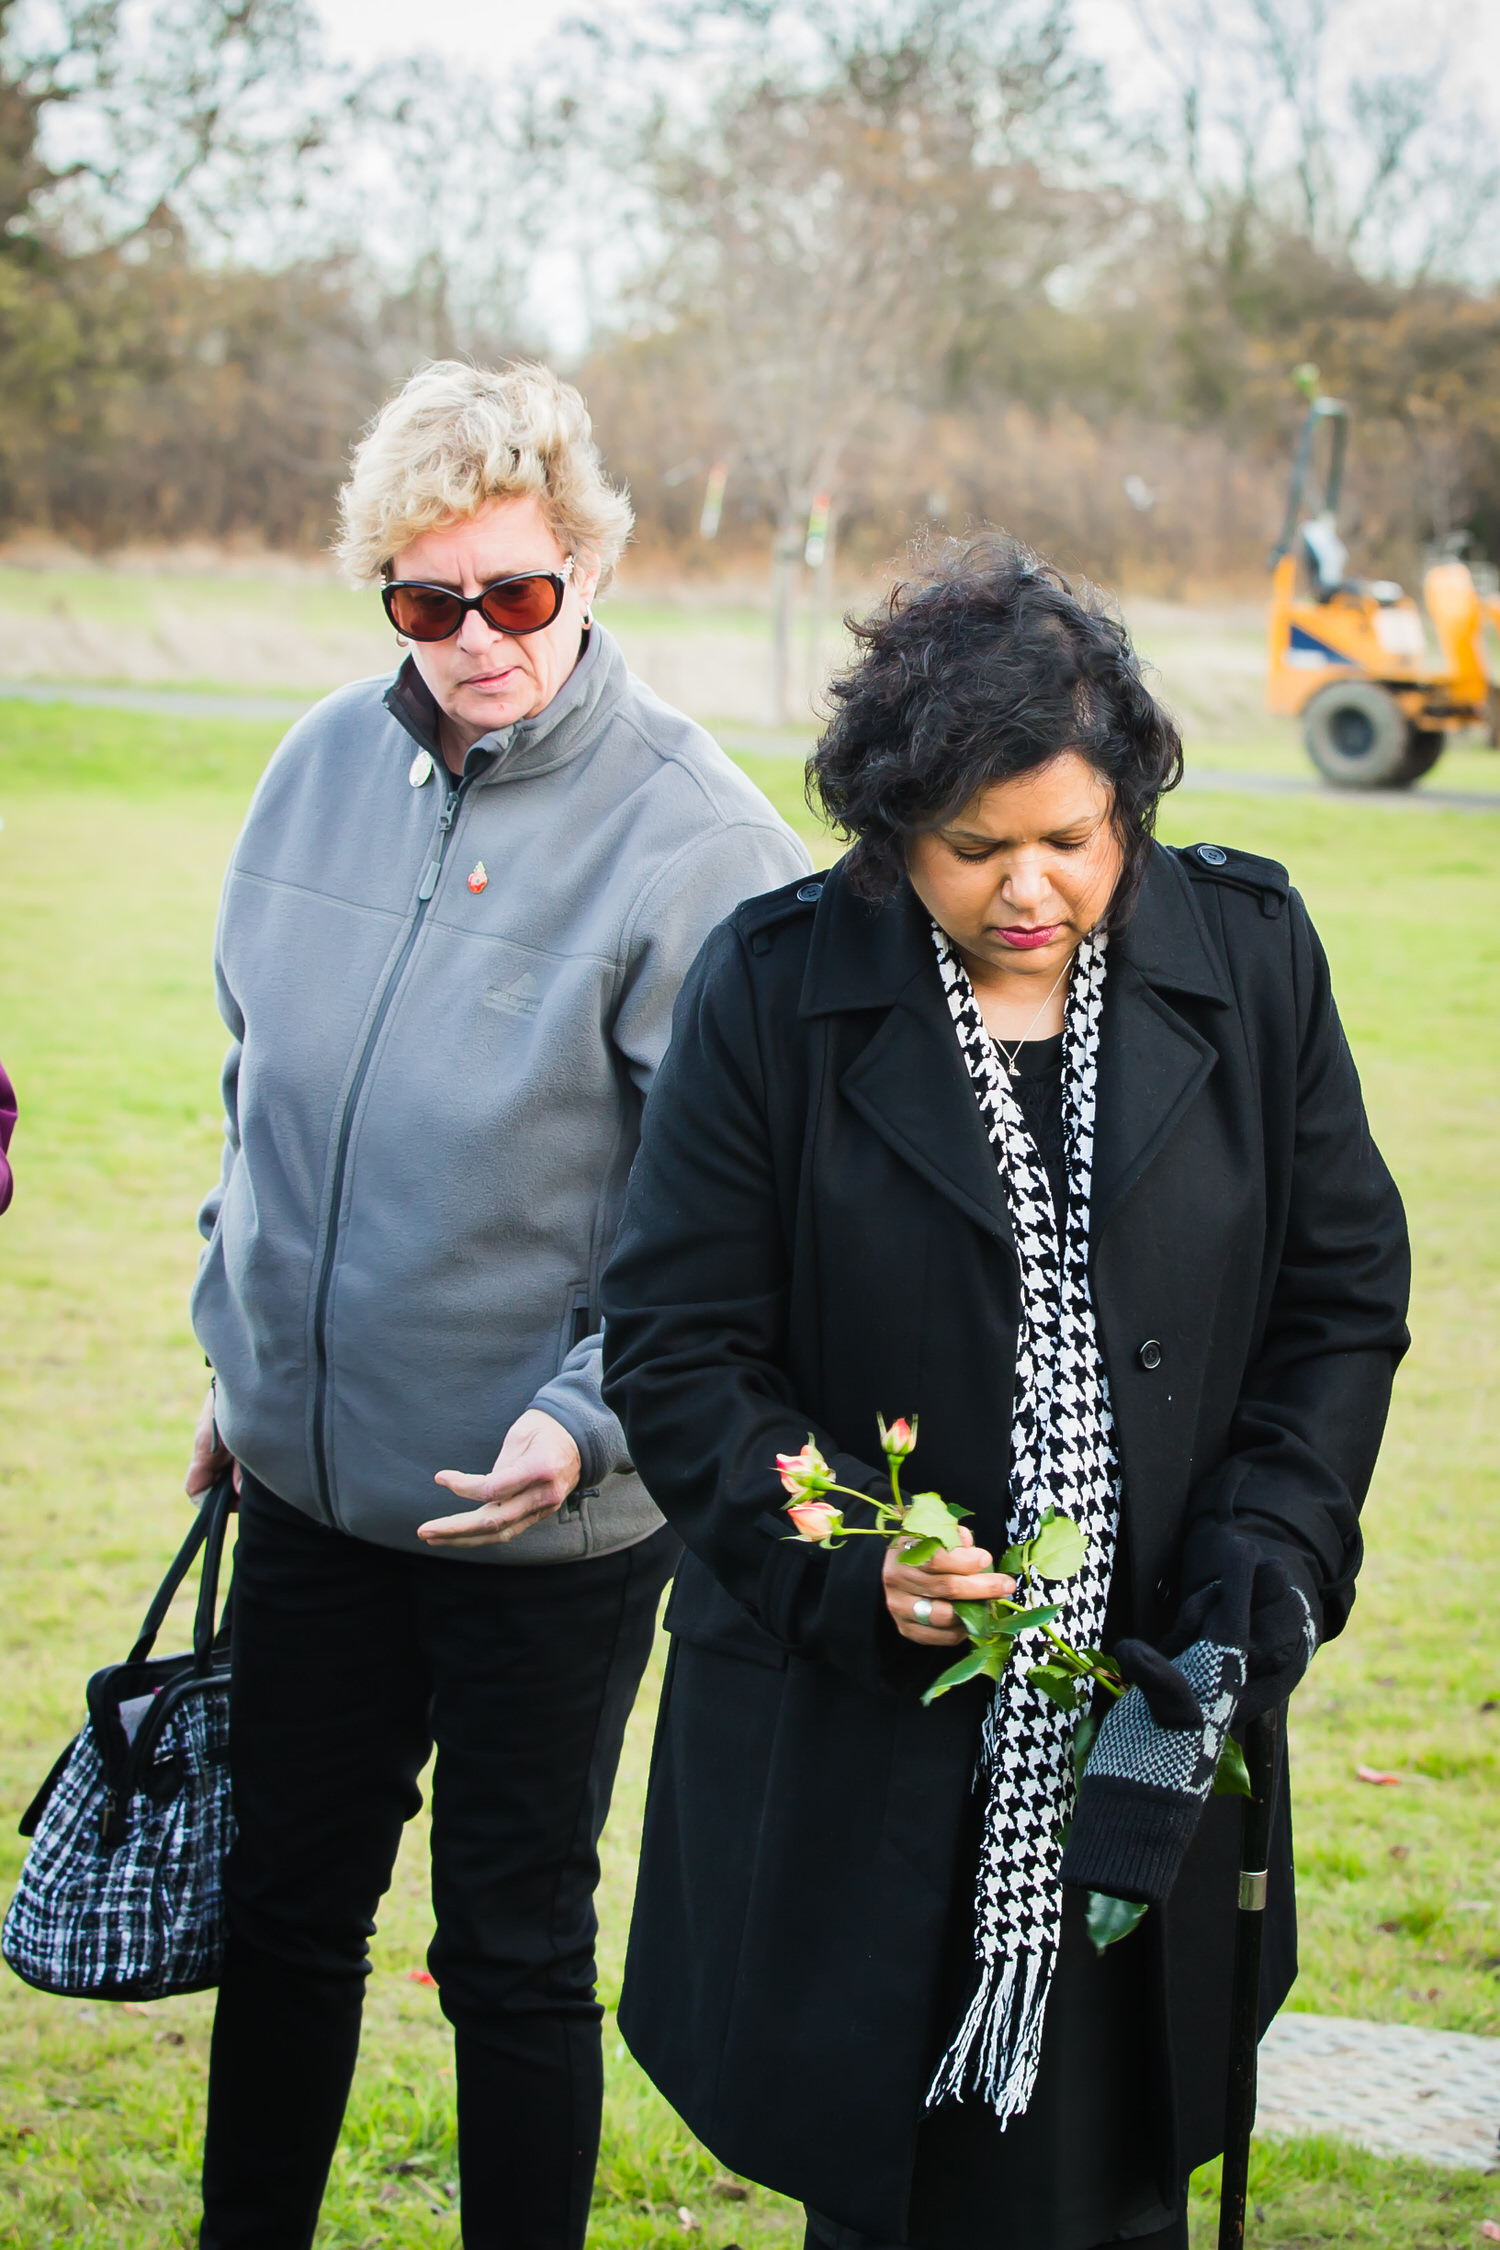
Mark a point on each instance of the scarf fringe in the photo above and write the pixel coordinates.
(999, 2043)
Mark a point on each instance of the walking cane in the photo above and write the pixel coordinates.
(1263, 1760)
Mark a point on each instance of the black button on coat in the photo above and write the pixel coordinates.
(815, 1231)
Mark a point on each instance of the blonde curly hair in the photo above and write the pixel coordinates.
(455, 437)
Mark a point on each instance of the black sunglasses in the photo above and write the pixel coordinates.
(523, 604)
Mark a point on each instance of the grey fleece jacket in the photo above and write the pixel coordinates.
(447, 1003)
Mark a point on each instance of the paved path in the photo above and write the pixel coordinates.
(191, 703)
(1392, 2088)
(1421, 799)
(184, 703)
(1209, 779)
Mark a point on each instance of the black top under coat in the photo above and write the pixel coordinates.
(1036, 1082)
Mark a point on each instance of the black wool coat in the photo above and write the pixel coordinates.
(816, 1231)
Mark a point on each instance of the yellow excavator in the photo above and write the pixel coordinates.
(1349, 656)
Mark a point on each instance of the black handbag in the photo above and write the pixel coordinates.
(121, 1895)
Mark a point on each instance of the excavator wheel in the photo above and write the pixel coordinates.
(1358, 738)
(1426, 746)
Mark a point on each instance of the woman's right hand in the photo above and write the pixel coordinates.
(210, 1458)
(964, 1573)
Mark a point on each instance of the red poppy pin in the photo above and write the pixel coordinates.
(477, 877)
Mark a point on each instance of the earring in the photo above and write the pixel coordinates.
(402, 641)
(588, 619)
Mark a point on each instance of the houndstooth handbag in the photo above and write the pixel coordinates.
(121, 1894)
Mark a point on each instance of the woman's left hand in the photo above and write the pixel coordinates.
(537, 1468)
(963, 1574)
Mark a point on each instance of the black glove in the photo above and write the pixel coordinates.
(1283, 1637)
(1244, 1642)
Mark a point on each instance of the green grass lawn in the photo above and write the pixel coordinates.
(115, 832)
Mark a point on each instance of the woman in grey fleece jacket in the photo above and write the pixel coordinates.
(452, 932)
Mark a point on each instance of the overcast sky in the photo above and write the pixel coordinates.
(484, 32)
(488, 32)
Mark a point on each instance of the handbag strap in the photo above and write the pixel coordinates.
(206, 1531)
(222, 1501)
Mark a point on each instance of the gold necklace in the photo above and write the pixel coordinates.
(1009, 1060)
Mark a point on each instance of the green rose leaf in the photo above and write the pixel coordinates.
(1011, 1624)
(1084, 1737)
(985, 1661)
(1110, 1919)
(976, 1619)
(1058, 1549)
(1055, 1683)
(921, 1551)
(1232, 1776)
(929, 1517)
(1016, 1559)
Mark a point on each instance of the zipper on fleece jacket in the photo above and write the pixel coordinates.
(428, 885)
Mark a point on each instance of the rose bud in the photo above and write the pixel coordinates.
(900, 1439)
(816, 1520)
(804, 1475)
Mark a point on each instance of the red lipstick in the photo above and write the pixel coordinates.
(1028, 940)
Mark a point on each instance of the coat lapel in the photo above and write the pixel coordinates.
(909, 1083)
(1152, 1062)
(910, 1086)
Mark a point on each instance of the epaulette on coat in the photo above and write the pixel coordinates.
(759, 919)
(1263, 879)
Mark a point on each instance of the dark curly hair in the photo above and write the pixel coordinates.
(983, 665)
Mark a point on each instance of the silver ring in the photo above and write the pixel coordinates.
(921, 1609)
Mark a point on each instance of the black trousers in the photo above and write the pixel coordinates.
(350, 1662)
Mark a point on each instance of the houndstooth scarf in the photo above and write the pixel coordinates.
(1062, 1456)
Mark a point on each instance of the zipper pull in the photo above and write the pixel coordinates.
(435, 864)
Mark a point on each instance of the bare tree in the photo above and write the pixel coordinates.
(1282, 116)
(827, 233)
(220, 112)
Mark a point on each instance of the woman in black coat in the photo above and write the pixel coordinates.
(1026, 1124)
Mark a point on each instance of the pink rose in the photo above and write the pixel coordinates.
(900, 1439)
(816, 1520)
(804, 1475)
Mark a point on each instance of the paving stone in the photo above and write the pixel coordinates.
(1392, 2088)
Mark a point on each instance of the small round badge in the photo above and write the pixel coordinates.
(477, 877)
(420, 769)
